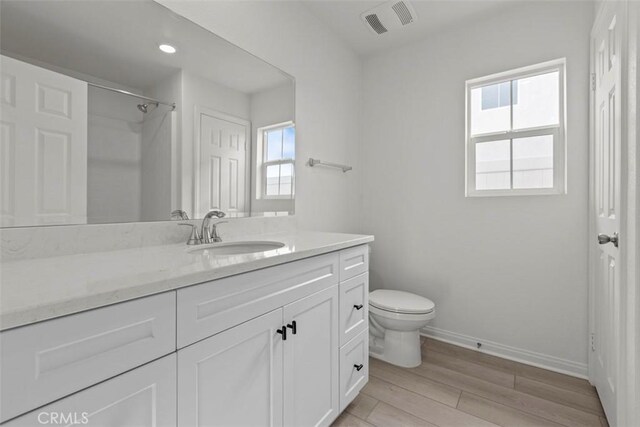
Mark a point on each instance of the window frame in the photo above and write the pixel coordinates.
(557, 131)
(264, 164)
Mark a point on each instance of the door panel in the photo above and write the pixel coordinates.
(43, 129)
(606, 195)
(233, 378)
(311, 360)
(222, 168)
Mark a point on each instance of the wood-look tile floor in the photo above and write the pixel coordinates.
(457, 387)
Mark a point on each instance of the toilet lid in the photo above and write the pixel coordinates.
(400, 302)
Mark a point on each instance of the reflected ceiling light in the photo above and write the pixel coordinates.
(167, 48)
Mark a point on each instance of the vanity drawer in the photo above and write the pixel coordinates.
(207, 309)
(49, 360)
(354, 307)
(353, 355)
(354, 261)
(143, 397)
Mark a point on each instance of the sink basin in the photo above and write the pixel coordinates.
(235, 248)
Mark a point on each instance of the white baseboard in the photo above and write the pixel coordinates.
(527, 357)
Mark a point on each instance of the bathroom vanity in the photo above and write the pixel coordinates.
(270, 338)
(113, 325)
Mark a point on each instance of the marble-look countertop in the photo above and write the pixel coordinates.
(32, 290)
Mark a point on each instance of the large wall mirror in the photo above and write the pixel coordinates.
(122, 111)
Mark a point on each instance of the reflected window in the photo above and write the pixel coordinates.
(277, 177)
(516, 132)
(499, 95)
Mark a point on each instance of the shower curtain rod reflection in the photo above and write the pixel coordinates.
(135, 95)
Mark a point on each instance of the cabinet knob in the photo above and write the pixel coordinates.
(358, 367)
(293, 327)
(358, 306)
(283, 332)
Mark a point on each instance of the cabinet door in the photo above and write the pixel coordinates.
(143, 397)
(233, 378)
(311, 360)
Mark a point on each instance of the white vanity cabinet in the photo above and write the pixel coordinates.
(285, 345)
(256, 374)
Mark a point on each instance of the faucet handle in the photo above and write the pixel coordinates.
(216, 213)
(194, 238)
(179, 214)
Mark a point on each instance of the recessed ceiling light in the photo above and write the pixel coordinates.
(167, 48)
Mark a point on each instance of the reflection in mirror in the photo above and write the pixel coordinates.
(122, 111)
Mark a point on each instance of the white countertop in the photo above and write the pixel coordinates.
(32, 290)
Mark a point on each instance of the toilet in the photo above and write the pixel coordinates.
(395, 320)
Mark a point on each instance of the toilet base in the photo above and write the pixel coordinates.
(398, 348)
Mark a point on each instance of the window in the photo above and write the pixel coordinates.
(516, 132)
(499, 95)
(278, 157)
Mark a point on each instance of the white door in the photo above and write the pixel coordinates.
(606, 258)
(233, 378)
(143, 397)
(43, 146)
(311, 390)
(221, 163)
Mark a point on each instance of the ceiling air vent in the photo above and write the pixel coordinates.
(389, 16)
(403, 12)
(375, 24)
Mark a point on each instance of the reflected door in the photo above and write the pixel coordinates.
(43, 146)
(607, 131)
(222, 163)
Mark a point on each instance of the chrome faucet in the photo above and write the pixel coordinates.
(206, 231)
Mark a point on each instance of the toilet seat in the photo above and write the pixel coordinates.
(407, 317)
(400, 302)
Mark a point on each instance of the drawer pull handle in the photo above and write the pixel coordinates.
(358, 306)
(293, 326)
(358, 367)
(283, 332)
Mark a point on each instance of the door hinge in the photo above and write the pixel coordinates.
(593, 342)
(593, 81)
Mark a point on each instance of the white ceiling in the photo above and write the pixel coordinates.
(343, 16)
(118, 41)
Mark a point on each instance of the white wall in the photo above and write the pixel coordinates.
(155, 164)
(168, 90)
(113, 173)
(510, 272)
(327, 96)
(269, 107)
